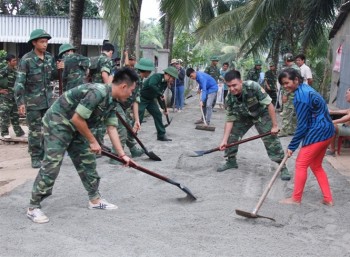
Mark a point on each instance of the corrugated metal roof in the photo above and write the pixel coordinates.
(16, 28)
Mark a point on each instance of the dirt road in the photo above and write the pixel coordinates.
(154, 219)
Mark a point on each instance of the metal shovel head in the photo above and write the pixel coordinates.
(188, 192)
(251, 215)
(153, 156)
(197, 154)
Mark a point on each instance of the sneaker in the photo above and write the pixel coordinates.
(330, 152)
(136, 152)
(285, 175)
(36, 215)
(36, 163)
(230, 164)
(102, 205)
(7, 137)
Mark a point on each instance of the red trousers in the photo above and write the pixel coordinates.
(311, 156)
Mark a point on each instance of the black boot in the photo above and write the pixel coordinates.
(163, 138)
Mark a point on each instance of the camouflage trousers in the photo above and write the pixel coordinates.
(263, 124)
(9, 114)
(100, 132)
(59, 138)
(35, 134)
(289, 119)
(125, 136)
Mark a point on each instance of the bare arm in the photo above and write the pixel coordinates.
(343, 119)
(106, 78)
(135, 110)
(272, 114)
(341, 112)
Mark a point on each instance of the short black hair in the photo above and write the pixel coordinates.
(125, 75)
(10, 57)
(189, 71)
(232, 74)
(226, 63)
(108, 47)
(291, 74)
(301, 56)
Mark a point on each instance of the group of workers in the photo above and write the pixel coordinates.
(78, 120)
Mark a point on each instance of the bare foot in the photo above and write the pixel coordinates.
(289, 200)
(328, 203)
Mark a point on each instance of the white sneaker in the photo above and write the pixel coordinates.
(7, 137)
(36, 215)
(102, 205)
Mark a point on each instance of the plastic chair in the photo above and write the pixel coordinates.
(340, 142)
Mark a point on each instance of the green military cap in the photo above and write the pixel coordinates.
(145, 64)
(271, 64)
(288, 57)
(214, 58)
(65, 47)
(38, 33)
(257, 62)
(172, 71)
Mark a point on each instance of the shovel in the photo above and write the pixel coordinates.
(166, 115)
(107, 152)
(203, 152)
(151, 154)
(254, 213)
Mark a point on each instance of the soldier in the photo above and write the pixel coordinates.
(67, 127)
(289, 119)
(33, 92)
(100, 72)
(131, 105)
(152, 90)
(270, 84)
(248, 105)
(214, 72)
(8, 106)
(130, 61)
(75, 67)
(254, 73)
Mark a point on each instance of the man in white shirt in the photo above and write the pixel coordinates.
(304, 69)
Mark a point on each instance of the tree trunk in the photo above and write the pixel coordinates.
(169, 30)
(76, 23)
(135, 10)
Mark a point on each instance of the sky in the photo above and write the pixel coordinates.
(149, 9)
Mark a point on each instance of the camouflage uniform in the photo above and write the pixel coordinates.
(32, 88)
(8, 106)
(94, 103)
(104, 64)
(289, 119)
(253, 74)
(250, 109)
(75, 66)
(271, 80)
(214, 72)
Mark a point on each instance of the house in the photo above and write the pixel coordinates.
(15, 32)
(340, 43)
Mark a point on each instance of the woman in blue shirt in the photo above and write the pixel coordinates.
(314, 131)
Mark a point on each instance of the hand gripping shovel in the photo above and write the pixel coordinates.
(203, 152)
(107, 152)
(254, 214)
(151, 154)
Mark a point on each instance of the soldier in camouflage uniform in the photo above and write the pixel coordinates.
(67, 127)
(254, 73)
(75, 67)
(8, 106)
(270, 84)
(152, 90)
(131, 105)
(214, 72)
(33, 92)
(103, 75)
(249, 105)
(289, 119)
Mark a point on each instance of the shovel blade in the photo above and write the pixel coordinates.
(197, 154)
(188, 192)
(153, 156)
(251, 215)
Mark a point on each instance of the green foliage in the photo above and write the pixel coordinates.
(3, 54)
(151, 34)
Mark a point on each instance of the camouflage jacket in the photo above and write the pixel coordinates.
(75, 67)
(153, 87)
(135, 97)
(253, 74)
(271, 80)
(93, 102)
(104, 64)
(213, 71)
(250, 104)
(32, 86)
(7, 81)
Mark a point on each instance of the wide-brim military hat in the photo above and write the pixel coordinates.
(172, 71)
(214, 58)
(38, 33)
(145, 64)
(65, 47)
(257, 62)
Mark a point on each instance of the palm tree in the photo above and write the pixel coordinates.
(76, 22)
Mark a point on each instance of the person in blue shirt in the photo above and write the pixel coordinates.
(314, 131)
(208, 89)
